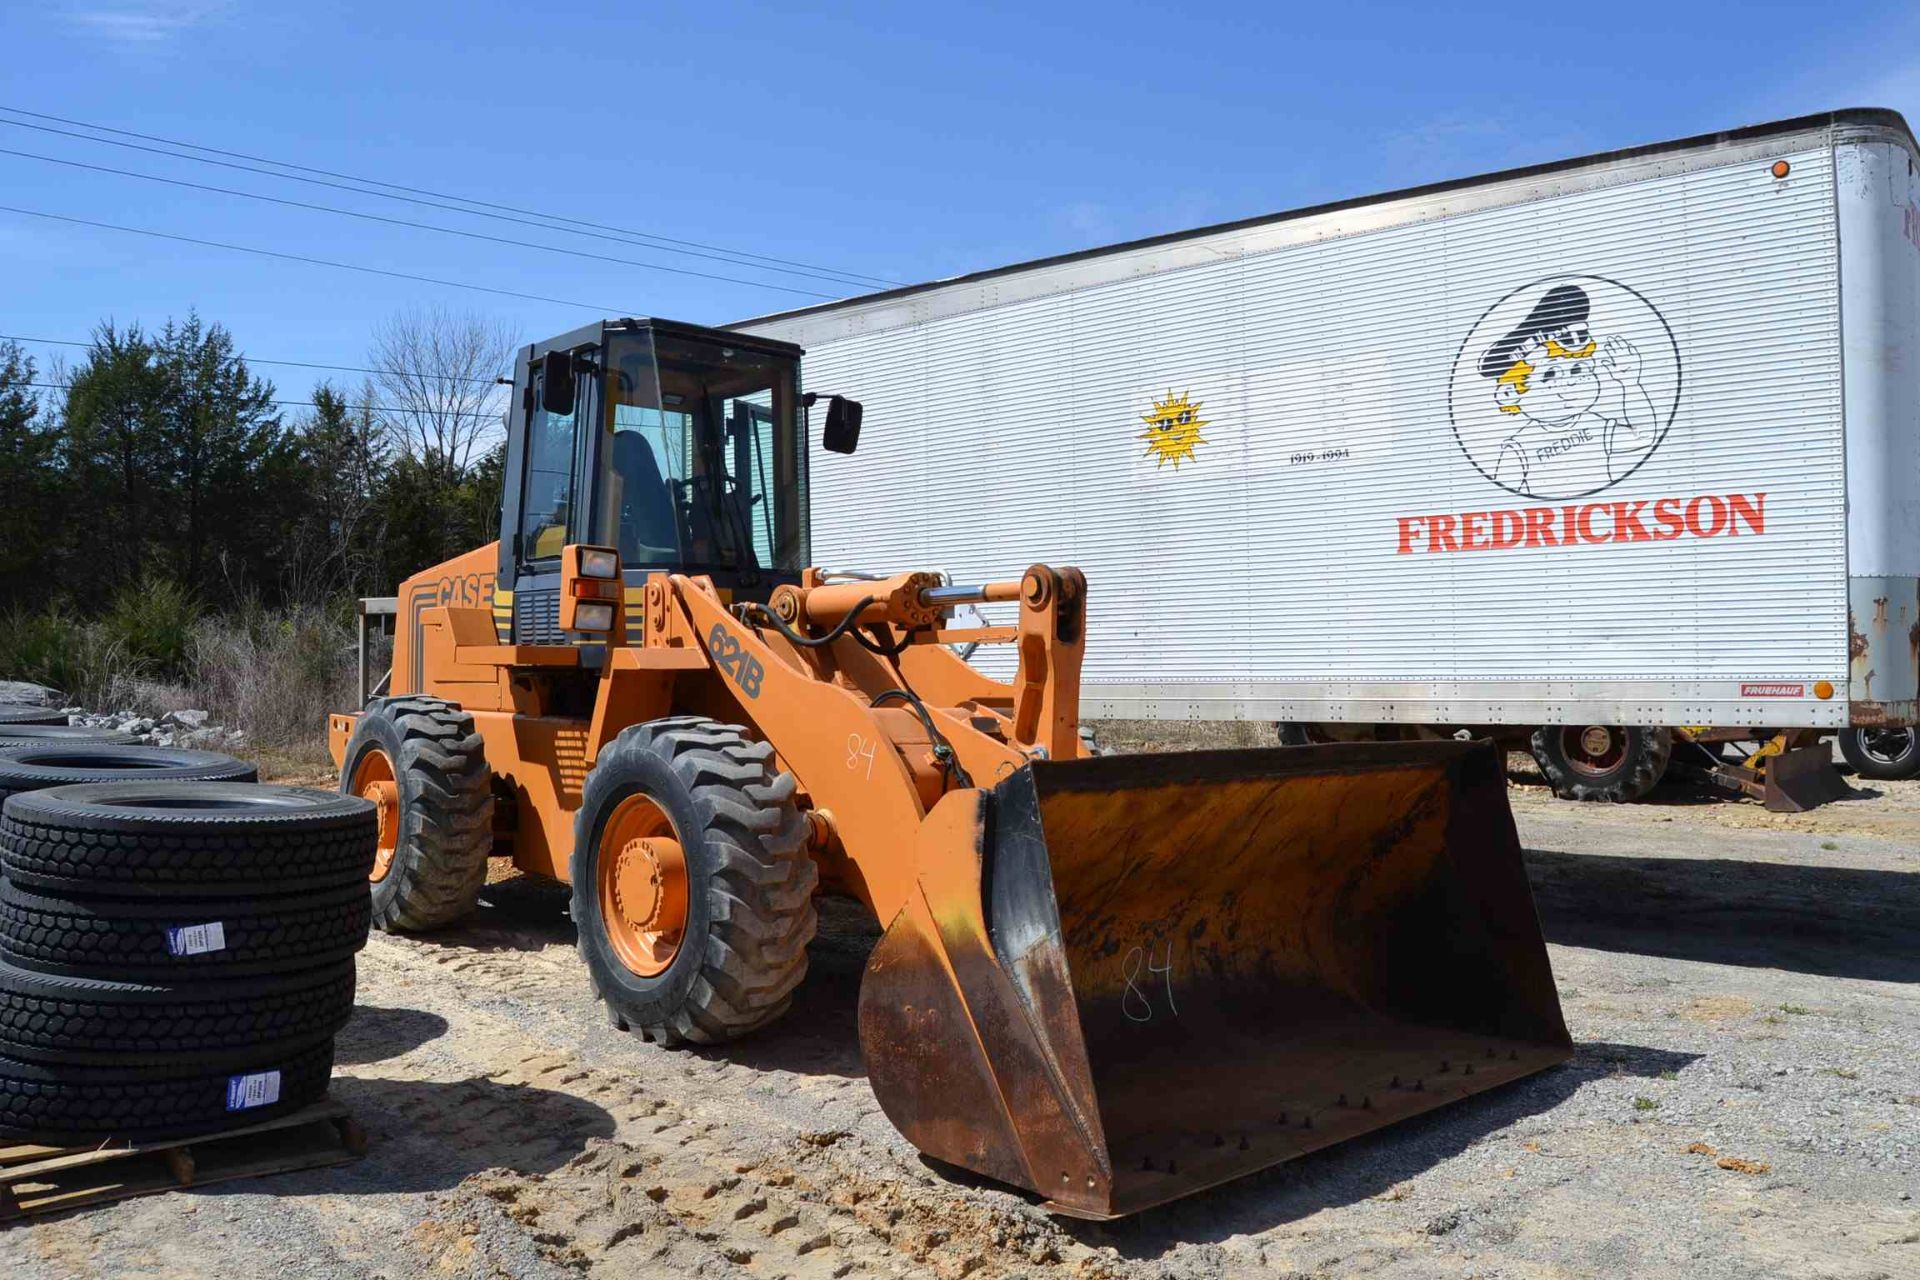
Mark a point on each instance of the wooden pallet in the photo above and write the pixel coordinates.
(37, 1180)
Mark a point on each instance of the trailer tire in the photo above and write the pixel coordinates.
(185, 839)
(745, 915)
(1606, 763)
(87, 1021)
(67, 1104)
(424, 766)
(144, 939)
(1885, 755)
(35, 766)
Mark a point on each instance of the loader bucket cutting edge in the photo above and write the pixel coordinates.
(1126, 979)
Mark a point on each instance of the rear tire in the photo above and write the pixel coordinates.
(745, 909)
(1886, 755)
(1605, 763)
(435, 806)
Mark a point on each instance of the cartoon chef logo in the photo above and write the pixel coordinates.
(1565, 387)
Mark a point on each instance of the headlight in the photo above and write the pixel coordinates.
(599, 564)
(592, 617)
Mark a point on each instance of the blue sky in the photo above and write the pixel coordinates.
(904, 142)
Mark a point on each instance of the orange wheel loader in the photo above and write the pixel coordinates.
(1110, 980)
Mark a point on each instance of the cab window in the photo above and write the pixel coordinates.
(706, 463)
(547, 496)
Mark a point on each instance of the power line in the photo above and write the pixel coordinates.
(689, 247)
(308, 404)
(403, 222)
(294, 364)
(317, 262)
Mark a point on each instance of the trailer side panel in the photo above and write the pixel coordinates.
(1566, 448)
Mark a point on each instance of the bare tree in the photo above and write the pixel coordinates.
(436, 384)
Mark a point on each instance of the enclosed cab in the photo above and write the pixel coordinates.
(681, 447)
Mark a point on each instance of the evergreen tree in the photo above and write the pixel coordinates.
(28, 481)
(219, 433)
(110, 452)
(332, 475)
(167, 442)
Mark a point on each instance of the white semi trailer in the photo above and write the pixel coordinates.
(1604, 455)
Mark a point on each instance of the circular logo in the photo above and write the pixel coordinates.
(1565, 387)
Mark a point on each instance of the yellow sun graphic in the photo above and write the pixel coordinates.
(1173, 429)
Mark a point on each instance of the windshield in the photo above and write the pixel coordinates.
(706, 465)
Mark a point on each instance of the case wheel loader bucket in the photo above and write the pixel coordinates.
(1125, 979)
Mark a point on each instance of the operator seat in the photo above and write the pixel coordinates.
(649, 532)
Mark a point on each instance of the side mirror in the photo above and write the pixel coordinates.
(842, 434)
(556, 382)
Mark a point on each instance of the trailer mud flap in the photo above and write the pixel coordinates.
(1125, 979)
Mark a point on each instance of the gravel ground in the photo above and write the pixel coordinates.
(1743, 988)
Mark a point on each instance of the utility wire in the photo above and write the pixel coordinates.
(690, 247)
(293, 364)
(403, 222)
(317, 262)
(308, 404)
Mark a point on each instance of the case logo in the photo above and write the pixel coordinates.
(1565, 387)
(1173, 430)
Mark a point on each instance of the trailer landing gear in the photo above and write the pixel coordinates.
(1790, 772)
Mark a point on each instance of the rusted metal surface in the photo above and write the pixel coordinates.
(1166, 972)
(1883, 651)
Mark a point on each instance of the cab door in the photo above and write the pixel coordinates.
(547, 508)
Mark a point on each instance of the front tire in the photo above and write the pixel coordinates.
(1606, 763)
(692, 888)
(1883, 754)
(424, 767)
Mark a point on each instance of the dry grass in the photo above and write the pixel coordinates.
(1181, 735)
(275, 674)
(304, 764)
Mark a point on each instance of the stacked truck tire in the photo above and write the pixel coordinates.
(177, 943)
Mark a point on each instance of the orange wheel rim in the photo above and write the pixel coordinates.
(373, 780)
(642, 884)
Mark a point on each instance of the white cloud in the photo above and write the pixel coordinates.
(145, 23)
